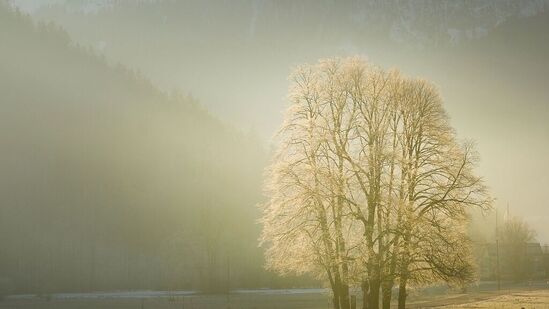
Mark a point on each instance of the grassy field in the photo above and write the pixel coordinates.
(519, 299)
(245, 301)
(531, 299)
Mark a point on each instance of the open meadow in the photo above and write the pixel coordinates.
(272, 299)
(518, 299)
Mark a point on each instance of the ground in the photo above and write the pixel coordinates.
(519, 299)
(287, 299)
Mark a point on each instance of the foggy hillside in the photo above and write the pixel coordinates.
(108, 183)
(423, 23)
(241, 43)
(488, 58)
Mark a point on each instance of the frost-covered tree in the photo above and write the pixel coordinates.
(438, 186)
(307, 226)
(369, 185)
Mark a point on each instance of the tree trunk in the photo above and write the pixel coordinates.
(387, 291)
(365, 287)
(336, 289)
(344, 297)
(344, 300)
(373, 297)
(402, 293)
(336, 298)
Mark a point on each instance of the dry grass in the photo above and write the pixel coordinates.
(516, 299)
(523, 299)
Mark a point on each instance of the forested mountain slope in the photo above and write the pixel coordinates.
(108, 183)
(246, 48)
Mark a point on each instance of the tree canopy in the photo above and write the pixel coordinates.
(369, 186)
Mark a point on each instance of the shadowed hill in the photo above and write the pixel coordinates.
(247, 47)
(107, 183)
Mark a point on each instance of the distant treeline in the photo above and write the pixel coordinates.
(108, 183)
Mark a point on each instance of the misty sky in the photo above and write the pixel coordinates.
(488, 59)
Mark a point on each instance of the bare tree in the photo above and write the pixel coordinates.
(515, 235)
(438, 181)
(306, 226)
(369, 185)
